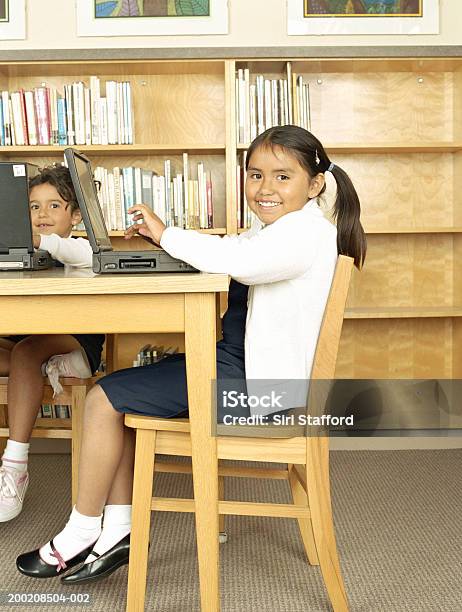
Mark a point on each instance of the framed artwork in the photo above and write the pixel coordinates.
(12, 19)
(151, 17)
(362, 17)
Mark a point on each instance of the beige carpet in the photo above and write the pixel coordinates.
(399, 528)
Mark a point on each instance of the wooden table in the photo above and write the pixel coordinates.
(65, 301)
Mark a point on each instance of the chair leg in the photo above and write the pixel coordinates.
(141, 519)
(318, 489)
(223, 536)
(3, 423)
(306, 528)
(79, 393)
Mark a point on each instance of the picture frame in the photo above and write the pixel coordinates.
(12, 19)
(303, 20)
(89, 24)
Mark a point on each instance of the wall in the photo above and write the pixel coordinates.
(252, 23)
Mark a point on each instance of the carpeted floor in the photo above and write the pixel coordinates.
(398, 518)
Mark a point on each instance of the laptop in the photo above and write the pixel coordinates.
(105, 259)
(16, 245)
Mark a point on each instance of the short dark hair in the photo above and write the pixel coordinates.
(60, 177)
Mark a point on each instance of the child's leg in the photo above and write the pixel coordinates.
(25, 392)
(105, 474)
(25, 384)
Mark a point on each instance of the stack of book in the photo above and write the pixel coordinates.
(149, 354)
(57, 411)
(79, 116)
(264, 103)
(176, 198)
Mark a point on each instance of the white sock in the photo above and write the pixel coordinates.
(116, 525)
(16, 455)
(79, 533)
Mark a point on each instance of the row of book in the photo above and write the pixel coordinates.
(262, 103)
(149, 354)
(57, 411)
(176, 198)
(79, 116)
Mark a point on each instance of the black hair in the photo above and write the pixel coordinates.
(60, 177)
(310, 154)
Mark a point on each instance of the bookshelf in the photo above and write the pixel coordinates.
(393, 123)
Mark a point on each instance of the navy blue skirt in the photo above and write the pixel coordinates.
(160, 389)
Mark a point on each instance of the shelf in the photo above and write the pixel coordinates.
(117, 233)
(387, 147)
(402, 312)
(456, 229)
(111, 150)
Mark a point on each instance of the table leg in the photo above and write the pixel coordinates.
(201, 370)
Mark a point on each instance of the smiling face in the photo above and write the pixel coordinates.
(51, 214)
(277, 184)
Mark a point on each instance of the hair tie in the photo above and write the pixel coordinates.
(331, 167)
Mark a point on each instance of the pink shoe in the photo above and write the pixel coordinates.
(70, 365)
(13, 487)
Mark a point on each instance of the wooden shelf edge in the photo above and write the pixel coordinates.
(457, 229)
(110, 150)
(384, 147)
(402, 313)
(120, 233)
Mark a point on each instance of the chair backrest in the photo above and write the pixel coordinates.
(325, 356)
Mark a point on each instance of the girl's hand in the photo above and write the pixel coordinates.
(152, 226)
(36, 240)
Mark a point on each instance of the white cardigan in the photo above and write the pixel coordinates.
(75, 252)
(289, 266)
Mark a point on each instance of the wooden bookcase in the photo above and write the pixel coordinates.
(394, 124)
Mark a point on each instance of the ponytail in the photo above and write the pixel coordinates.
(351, 239)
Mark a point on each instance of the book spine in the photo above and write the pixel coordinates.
(208, 187)
(94, 108)
(130, 116)
(240, 76)
(6, 117)
(247, 105)
(87, 114)
(62, 122)
(274, 103)
(40, 107)
(22, 102)
(70, 114)
(260, 103)
(17, 121)
(168, 192)
(253, 112)
(119, 224)
(185, 189)
(289, 92)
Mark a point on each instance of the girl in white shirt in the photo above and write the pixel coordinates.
(54, 211)
(281, 268)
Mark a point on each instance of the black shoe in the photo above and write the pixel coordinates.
(102, 566)
(31, 564)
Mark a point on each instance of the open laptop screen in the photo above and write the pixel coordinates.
(15, 224)
(87, 197)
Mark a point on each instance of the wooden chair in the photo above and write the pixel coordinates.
(73, 394)
(307, 459)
